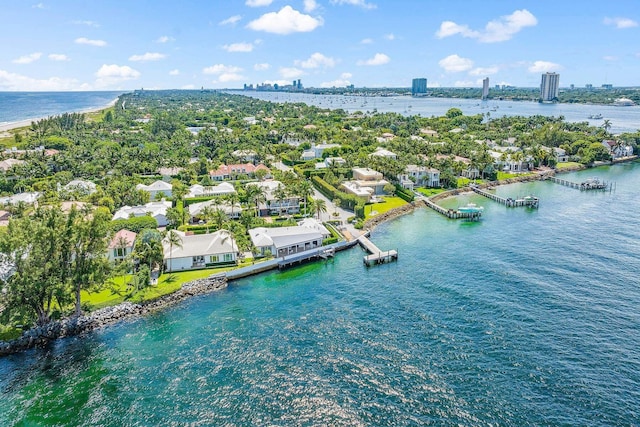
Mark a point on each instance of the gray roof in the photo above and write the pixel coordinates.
(282, 236)
(220, 242)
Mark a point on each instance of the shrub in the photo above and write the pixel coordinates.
(136, 224)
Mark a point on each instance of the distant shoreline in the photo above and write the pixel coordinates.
(26, 122)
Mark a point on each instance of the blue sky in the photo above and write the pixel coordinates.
(105, 45)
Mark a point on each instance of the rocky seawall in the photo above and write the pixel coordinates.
(389, 215)
(42, 335)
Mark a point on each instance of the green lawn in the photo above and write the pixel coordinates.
(390, 202)
(428, 192)
(568, 165)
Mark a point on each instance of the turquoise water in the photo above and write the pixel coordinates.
(528, 317)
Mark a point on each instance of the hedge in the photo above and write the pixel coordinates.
(135, 224)
(347, 201)
(329, 241)
(404, 194)
(193, 200)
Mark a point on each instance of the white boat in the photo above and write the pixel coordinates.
(595, 116)
(470, 208)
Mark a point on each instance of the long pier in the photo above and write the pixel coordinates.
(529, 201)
(376, 255)
(589, 184)
(452, 214)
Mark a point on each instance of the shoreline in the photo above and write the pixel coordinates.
(27, 122)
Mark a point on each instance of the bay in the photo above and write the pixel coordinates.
(527, 317)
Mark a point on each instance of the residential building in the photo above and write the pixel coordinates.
(617, 150)
(7, 164)
(364, 178)
(422, 176)
(272, 204)
(157, 210)
(485, 88)
(506, 159)
(316, 151)
(549, 86)
(157, 190)
(245, 155)
(382, 152)
(200, 251)
(353, 187)
(331, 161)
(234, 171)
(196, 209)
(121, 245)
(222, 189)
(29, 198)
(80, 186)
(282, 241)
(559, 154)
(419, 87)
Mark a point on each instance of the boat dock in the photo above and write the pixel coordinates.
(452, 214)
(529, 201)
(376, 255)
(589, 184)
(291, 260)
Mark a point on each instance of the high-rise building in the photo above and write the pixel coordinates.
(419, 87)
(549, 86)
(485, 88)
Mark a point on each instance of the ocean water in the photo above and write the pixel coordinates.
(622, 119)
(525, 318)
(18, 106)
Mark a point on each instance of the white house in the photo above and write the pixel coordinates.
(422, 176)
(157, 189)
(331, 161)
(157, 210)
(195, 209)
(316, 225)
(200, 251)
(282, 241)
(365, 178)
(272, 205)
(382, 152)
(80, 186)
(505, 159)
(353, 187)
(29, 198)
(617, 150)
(222, 189)
(316, 151)
(121, 245)
(560, 155)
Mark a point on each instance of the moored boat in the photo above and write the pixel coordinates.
(470, 208)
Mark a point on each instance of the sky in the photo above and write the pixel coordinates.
(63, 45)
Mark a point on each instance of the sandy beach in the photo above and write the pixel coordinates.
(23, 123)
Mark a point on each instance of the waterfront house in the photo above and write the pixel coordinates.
(272, 205)
(196, 210)
(157, 210)
(282, 241)
(121, 245)
(422, 176)
(221, 189)
(353, 187)
(200, 251)
(157, 189)
(366, 177)
(617, 149)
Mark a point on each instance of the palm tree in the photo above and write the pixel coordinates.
(305, 190)
(219, 218)
(320, 206)
(280, 195)
(233, 198)
(207, 214)
(174, 239)
(606, 125)
(256, 194)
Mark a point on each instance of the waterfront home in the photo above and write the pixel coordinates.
(121, 245)
(353, 187)
(366, 178)
(29, 198)
(382, 152)
(225, 172)
(331, 161)
(157, 210)
(276, 203)
(282, 241)
(7, 164)
(157, 189)
(617, 150)
(422, 176)
(559, 155)
(316, 225)
(200, 251)
(80, 186)
(221, 189)
(196, 210)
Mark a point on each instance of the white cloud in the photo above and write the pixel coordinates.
(58, 57)
(620, 23)
(366, 41)
(27, 59)
(38, 6)
(343, 80)
(149, 56)
(610, 58)
(164, 39)
(87, 23)
(238, 47)
(258, 3)
(290, 72)
(261, 67)
(84, 40)
(390, 36)
(17, 82)
(316, 60)
(484, 71)
(286, 21)
(221, 69)
(498, 30)
(110, 75)
(378, 59)
(232, 20)
(175, 72)
(230, 77)
(455, 64)
(310, 5)
(360, 3)
(544, 67)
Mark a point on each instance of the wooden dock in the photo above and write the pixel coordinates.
(529, 201)
(376, 255)
(589, 184)
(453, 214)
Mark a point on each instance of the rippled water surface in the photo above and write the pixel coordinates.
(525, 318)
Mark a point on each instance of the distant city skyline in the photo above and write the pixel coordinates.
(106, 45)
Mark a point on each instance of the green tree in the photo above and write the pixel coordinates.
(173, 238)
(320, 206)
(148, 250)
